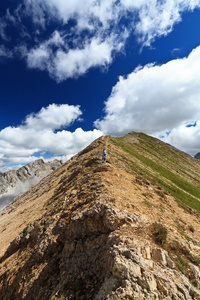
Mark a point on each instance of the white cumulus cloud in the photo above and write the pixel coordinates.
(68, 63)
(53, 117)
(87, 33)
(184, 137)
(19, 144)
(155, 99)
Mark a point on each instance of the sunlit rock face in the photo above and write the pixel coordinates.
(15, 183)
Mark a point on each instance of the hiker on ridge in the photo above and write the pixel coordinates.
(104, 154)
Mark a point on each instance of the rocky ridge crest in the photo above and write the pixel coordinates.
(88, 231)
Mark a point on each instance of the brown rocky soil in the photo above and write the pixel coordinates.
(87, 231)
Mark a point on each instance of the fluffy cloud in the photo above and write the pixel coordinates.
(68, 63)
(87, 13)
(157, 18)
(184, 137)
(37, 133)
(155, 99)
(87, 28)
(150, 17)
(53, 117)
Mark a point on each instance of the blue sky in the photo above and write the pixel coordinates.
(71, 71)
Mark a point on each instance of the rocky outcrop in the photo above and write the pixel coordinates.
(94, 257)
(140, 270)
(14, 183)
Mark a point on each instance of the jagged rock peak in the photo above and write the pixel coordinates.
(29, 170)
(14, 183)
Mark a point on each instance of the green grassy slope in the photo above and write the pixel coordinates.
(163, 164)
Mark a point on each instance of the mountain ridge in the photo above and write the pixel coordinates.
(15, 182)
(115, 230)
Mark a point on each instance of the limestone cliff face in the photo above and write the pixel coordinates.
(94, 230)
(14, 183)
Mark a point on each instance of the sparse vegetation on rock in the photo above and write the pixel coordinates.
(159, 233)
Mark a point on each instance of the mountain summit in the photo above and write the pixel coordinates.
(124, 229)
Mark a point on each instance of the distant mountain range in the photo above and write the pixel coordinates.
(15, 183)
